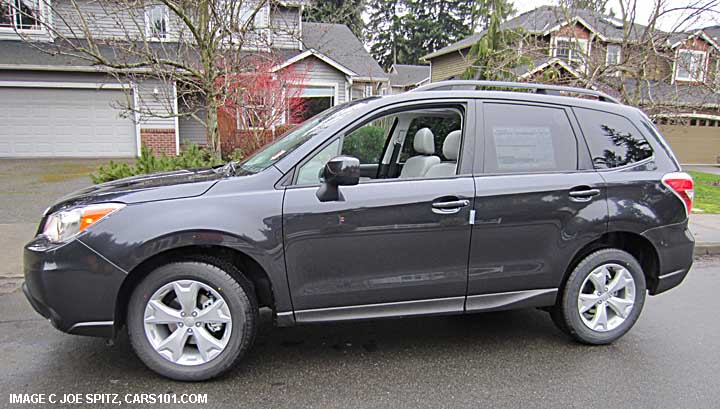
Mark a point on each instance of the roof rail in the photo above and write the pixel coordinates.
(538, 88)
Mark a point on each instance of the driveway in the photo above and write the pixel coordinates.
(28, 187)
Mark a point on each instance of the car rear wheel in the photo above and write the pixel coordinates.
(192, 321)
(603, 297)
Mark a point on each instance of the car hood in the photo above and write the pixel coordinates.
(144, 188)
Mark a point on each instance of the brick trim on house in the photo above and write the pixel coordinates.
(159, 141)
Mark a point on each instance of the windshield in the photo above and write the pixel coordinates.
(298, 136)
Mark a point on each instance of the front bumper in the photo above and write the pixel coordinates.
(73, 286)
(675, 245)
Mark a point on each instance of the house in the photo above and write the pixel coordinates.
(62, 106)
(406, 77)
(571, 46)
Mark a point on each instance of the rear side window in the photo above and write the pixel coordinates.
(613, 140)
(528, 139)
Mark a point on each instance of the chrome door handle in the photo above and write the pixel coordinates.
(585, 193)
(449, 207)
(451, 204)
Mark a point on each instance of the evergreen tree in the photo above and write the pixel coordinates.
(402, 31)
(436, 24)
(483, 10)
(348, 12)
(496, 54)
(385, 32)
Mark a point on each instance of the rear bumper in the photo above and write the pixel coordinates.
(675, 245)
(72, 286)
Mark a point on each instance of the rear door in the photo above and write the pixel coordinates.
(538, 201)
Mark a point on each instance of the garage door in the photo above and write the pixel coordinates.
(64, 123)
(694, 144)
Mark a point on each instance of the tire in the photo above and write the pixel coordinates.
(216, 281)
(588, 327)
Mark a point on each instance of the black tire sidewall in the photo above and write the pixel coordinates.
(570, 313)
(240, 301)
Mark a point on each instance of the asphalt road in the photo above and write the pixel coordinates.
(671, 359)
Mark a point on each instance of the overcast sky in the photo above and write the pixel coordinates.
(644, 9)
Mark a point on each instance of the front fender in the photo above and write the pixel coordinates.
(248, 222)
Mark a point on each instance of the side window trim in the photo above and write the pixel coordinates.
(583, 149)
(466, 155)
(481, 170)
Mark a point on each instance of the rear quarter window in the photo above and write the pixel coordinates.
(613, 140)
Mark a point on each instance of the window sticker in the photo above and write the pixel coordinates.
(523, 148)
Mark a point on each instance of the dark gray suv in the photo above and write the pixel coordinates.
(451, 199)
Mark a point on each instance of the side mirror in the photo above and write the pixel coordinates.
(339, 171)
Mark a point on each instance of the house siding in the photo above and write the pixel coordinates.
(317, 71)
(285, 25)
(193, 132)
(103, 22)
(575, 31)
(449, 65)
(156, 99)
(107, 22)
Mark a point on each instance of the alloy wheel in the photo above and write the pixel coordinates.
(187, 322)
(607, 297)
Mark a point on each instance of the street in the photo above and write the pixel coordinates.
(670, 359)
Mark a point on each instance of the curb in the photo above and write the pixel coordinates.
(707, 249)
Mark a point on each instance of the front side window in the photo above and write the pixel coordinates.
(157, 19)
(367, 142)
(440, 126)
(690, 65)
(528, 139)
(298, 136)
(20, 14)
(387, 148)
(613, 140)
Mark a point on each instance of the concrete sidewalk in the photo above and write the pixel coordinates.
(706, 229)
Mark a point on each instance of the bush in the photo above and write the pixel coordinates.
(192, 157)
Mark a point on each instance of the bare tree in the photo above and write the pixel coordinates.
(193, 48)
(633, 60)
(263, 97)
(643, 61)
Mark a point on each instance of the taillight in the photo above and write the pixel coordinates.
(681, 184)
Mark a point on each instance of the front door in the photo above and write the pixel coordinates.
(392, 246)
(538, 203)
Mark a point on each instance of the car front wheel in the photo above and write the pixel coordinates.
(192, 321)
(602, 298)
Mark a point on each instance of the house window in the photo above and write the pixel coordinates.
(368, 90)
(157, 20)
(313, 100)
(570, 49)
(690, 65)
(20, 14)
(613, 54)
(249, 10)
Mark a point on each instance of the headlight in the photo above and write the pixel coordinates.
(63, 225)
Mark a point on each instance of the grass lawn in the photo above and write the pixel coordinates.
(707, 192)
